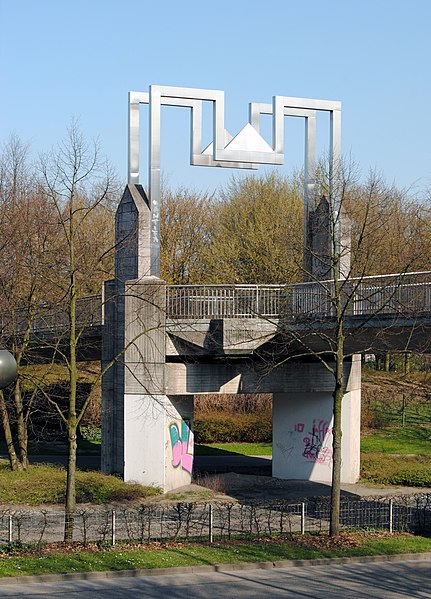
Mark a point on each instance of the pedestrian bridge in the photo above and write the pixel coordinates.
(380, 313)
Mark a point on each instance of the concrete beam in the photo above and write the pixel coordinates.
(246, 376)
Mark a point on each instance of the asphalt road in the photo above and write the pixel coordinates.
(387, 580)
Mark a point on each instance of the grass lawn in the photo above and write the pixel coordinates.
(236, 448)
(46, 484)
(386, 469)
(193, 555)
(398, 440)
(395, 440)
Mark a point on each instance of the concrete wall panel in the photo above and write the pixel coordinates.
(158, 433)
(302, 436)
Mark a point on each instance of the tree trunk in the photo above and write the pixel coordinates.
(334, 528)
(72, 422)
(387, 366)
(21, 426)
(70, 506)
(407, 362)
(72, 425)
(13, 459)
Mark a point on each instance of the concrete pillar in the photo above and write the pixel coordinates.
(318, 252)
(302, 429)
(132, 235)
(147, 437)
(158, 433)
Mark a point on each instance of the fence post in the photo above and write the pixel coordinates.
(302, 518)
(391, 515)
(113, 524)
(10, 529)
(210, 523)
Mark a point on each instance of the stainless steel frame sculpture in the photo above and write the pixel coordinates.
(248, 149)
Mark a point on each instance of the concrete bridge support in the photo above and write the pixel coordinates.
(146, 435)
(159, 440)
(302, 429)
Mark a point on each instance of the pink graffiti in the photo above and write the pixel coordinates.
(314, 449)
(176, 451)
(182, 445)
(187, 454)
(325, 456)
(299, 428)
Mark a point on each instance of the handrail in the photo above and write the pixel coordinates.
(399, 293)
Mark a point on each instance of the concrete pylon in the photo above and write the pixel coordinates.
(132, 235)
(319, 243)
(146, 436)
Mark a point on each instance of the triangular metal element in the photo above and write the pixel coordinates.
(249, 140)
(209, 149)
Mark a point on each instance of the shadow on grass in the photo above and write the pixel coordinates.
(209, 450)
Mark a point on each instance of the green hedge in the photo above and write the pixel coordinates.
(233, 428)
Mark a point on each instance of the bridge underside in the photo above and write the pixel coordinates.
(276, 340)
(259, 339)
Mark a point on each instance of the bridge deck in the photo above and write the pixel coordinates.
(397, 301)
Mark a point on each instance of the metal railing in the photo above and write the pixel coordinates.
(53, 317)
(386, 294)
(225, 301)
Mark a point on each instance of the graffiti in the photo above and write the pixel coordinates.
(286, 451)
(182, 445)
(315, 448)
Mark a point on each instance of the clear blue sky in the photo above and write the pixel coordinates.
(65, 59)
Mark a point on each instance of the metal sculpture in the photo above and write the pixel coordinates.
(8, 368)
(248, 149)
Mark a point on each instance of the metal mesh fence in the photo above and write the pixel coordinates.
(216, 521)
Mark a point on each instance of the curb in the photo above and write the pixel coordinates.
(149, 572)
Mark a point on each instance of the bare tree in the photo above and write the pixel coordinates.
(79, 186)
(341, 253)
(28, 252)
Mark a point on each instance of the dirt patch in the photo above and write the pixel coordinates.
(323, 541)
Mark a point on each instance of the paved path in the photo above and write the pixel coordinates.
(387, 580)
